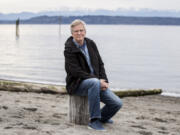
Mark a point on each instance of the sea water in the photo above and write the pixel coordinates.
(135, 56)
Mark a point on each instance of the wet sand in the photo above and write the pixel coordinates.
(24, 113)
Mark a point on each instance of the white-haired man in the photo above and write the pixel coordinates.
(86, 76)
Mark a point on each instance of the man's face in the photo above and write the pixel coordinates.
(78, 33)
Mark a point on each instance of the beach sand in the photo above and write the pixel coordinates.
(24, 113)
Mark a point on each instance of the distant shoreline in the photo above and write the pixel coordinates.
(99, 19)
(95, 24)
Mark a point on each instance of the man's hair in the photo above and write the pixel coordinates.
(77, 22)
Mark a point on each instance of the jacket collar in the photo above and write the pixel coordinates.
(70, 45)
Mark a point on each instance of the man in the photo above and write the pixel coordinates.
(86, 76)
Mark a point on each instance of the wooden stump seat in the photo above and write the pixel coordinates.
(78, 109)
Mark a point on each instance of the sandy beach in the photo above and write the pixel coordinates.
(24, 113)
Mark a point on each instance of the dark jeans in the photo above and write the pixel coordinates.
(91, 88)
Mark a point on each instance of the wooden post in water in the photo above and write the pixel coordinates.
(17, 28)
(60, 25)
(78, 109)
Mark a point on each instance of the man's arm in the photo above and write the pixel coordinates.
(102, 72)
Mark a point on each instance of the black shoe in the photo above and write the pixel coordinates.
(96, 125)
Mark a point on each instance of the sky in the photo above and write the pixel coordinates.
(15, 6)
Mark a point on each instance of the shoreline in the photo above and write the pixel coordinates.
(170, 94)
(46, 114)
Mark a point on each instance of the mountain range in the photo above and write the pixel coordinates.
(99, 19)
(83, 12)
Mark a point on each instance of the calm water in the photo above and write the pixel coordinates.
(134, 56)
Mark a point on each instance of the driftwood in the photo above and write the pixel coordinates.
(16, 86)
(128, 93)
(78, 109)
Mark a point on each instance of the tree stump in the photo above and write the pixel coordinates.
(78, 109)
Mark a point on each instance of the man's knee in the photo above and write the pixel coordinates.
(119, 104)
(93, 81)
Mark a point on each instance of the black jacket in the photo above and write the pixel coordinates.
(76, 66)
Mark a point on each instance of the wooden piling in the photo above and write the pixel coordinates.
(60, 21)
(17, 27)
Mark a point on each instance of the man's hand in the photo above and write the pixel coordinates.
(104, 84)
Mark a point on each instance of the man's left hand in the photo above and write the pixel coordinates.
(104, 84)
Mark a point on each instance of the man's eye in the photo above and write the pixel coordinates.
(76, 31)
